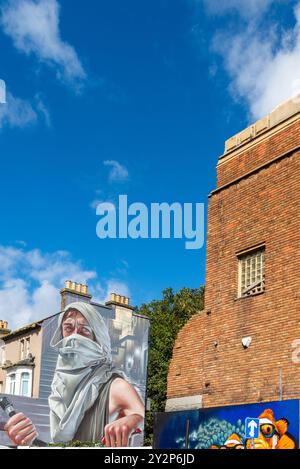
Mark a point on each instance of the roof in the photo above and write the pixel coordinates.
(280, 114)
(23, 330)
(38, 324)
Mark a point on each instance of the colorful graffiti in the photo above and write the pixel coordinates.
(224, 428)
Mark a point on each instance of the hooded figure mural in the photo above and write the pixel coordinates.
(79, 403)
(90, 401)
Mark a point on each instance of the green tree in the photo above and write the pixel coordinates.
(167, 317)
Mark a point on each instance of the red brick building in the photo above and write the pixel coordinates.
(241, 348)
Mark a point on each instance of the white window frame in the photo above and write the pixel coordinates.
(18, 372)
(22, 381)
(11, 380)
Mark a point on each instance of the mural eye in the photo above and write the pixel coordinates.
(85, 331)
(268, 430)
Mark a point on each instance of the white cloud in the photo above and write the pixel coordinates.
(42, 109)
(20, 113)
(21, 242)
(102, 293)
(111, 205)
(17, 113)
(30, 282)
(114, 286)
(251, 8)
(118, 173)
(94, 204)
(2, 92)
(33, 25)
(263, 62)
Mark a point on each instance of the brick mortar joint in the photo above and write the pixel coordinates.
(287, 154)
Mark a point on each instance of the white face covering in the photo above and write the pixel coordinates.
(78, 352)
(82, 367)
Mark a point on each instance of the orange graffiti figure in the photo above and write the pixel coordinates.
(233, 442)
(273, 434)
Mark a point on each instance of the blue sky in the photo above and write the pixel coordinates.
(108, 98)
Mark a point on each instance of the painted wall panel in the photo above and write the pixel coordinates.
(128, 335)
(225, 427)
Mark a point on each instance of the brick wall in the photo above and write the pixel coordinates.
(243, 161)
(209, 358)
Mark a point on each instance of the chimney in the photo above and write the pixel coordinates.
(4, 328)
(119, 300)
(73, 292)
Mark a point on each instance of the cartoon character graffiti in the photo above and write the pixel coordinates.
(233, 442)
(273, 434)
(225, 427)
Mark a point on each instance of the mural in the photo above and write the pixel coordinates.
(224, 428)
(92, 381)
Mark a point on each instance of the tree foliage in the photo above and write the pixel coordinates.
(167, 317)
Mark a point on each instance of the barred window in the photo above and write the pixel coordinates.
(252, 272)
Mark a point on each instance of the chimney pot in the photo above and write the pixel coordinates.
(72, 289)
(3, 325)
(119, 299)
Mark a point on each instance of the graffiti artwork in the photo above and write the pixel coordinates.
(92, 381)
(224, 428)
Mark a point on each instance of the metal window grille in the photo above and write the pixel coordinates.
(252, 273)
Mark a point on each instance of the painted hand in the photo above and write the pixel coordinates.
(21, 430)
(117, 433)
